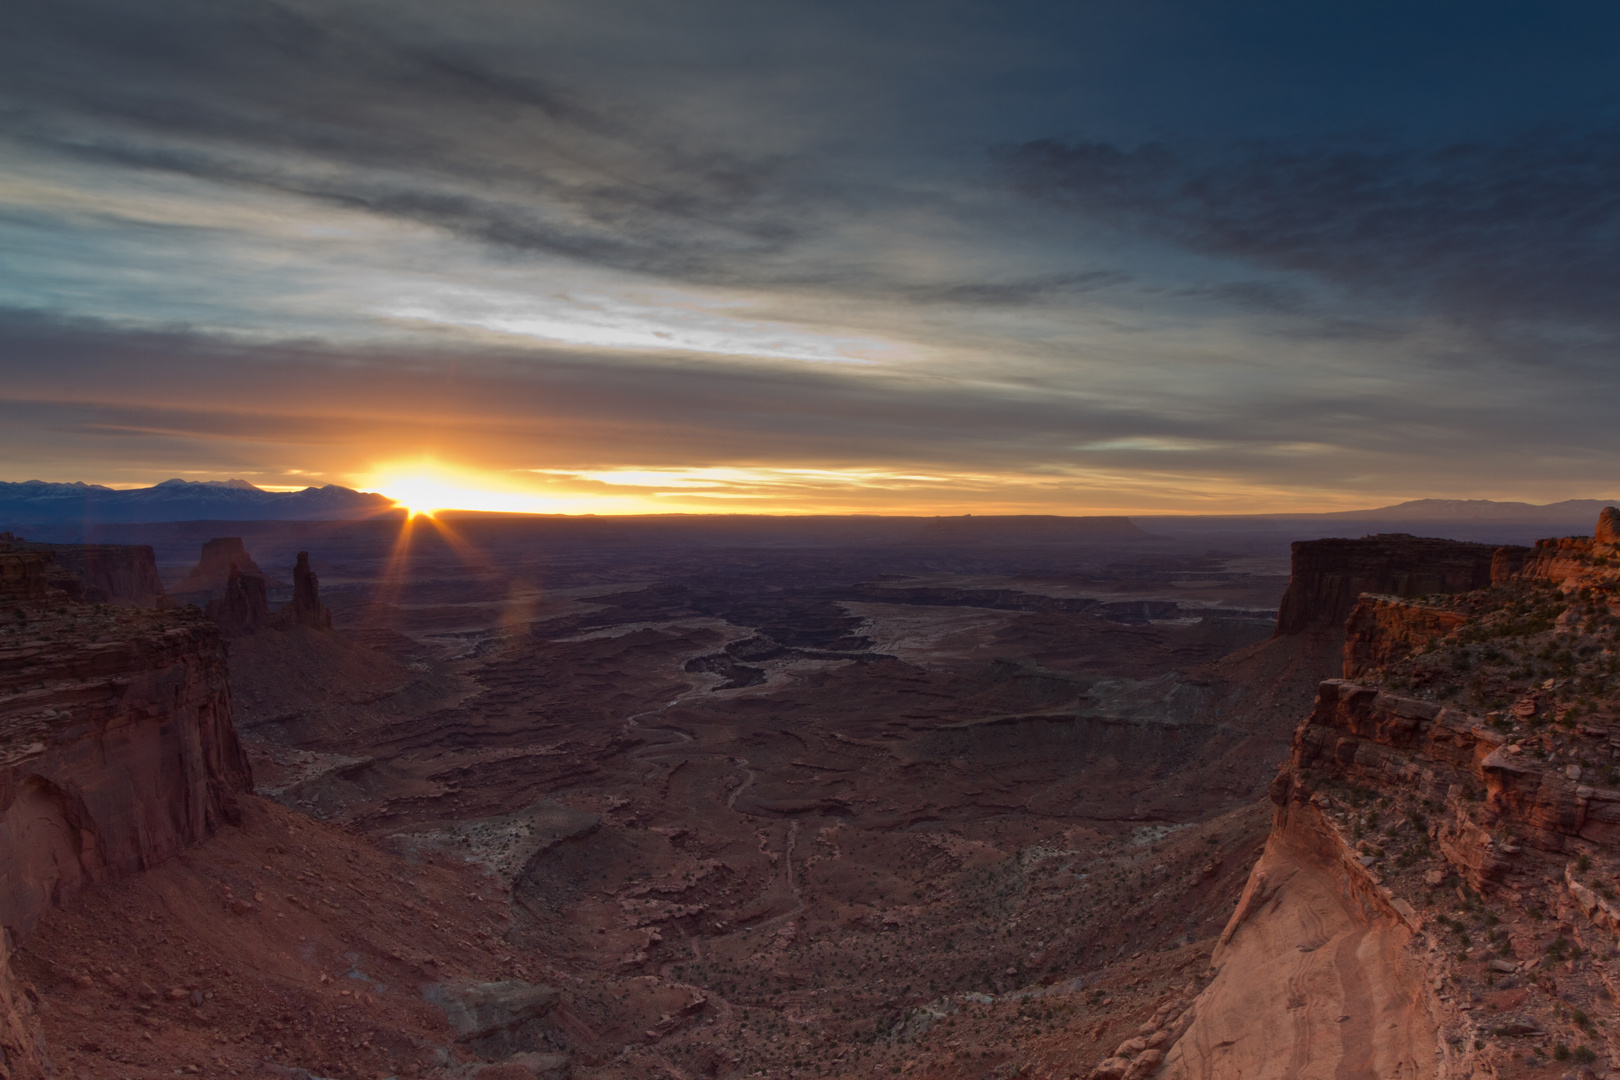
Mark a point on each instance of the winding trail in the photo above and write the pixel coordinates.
(731, 803)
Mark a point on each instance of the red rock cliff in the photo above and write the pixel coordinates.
(1328, 576)
(1438, 896)
(23, 578)
(244, 606)
(1381, 630)
(124, 574)
(305, 609)
(116, 748)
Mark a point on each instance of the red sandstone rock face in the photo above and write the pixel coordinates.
(305, 609)
(117, 751)
(1608, 526)
(1317, 977)
(124, 574)
(1556, 560)
(1329, 575)
(209, 578)
(23, 579)
(19, 1027)
(243, 608)
(1380, 631)
(96, 573)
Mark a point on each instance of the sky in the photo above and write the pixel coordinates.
(876, 257)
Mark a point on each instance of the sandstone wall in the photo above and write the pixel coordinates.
(1381, 630)
(1508, 813)
(120, 573)
(19, 1027)
(305, 608)
(97, 573)
(116, 749)
(1328, 576)
(23, 578)
(1315, 976)
(1325, 969)
(1556, 560)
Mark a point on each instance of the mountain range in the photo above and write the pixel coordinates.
(1582, 510)
(35, 502)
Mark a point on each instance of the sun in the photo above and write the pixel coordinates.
(423, 489)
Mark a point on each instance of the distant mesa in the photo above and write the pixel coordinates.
(1029, 527)
(122, 574)
(230, 587)
(35, 502)
(210, 577)
(1329, 576)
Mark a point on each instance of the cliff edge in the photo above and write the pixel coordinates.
(1437, 897)
(117, 750)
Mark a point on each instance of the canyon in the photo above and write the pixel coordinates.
(960, 798)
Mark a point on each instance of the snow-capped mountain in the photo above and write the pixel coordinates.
(37, 502)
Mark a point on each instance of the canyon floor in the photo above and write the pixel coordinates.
(947, 809)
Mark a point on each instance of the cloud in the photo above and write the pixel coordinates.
(382, 116)
(512, 151)
(1492, 231)
(637, 239)
(79, 397)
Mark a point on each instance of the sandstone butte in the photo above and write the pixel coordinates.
(1436, 896)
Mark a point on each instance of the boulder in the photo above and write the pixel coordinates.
(1145, 1065)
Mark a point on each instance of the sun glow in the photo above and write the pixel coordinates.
(423, 489)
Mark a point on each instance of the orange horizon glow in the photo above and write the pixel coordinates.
(428, 487)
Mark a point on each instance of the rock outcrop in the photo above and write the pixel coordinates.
(1381, 630)
(24, 578)
(1556, 560)
(1608, 526)
(1329, 576)
(496, 1019)
(19, 1026)
(116, 748)
(1437, 895)
(305, 609)
(243, 608)
(210, 578)
(116, 751)
(124, 574)
(234, 592)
